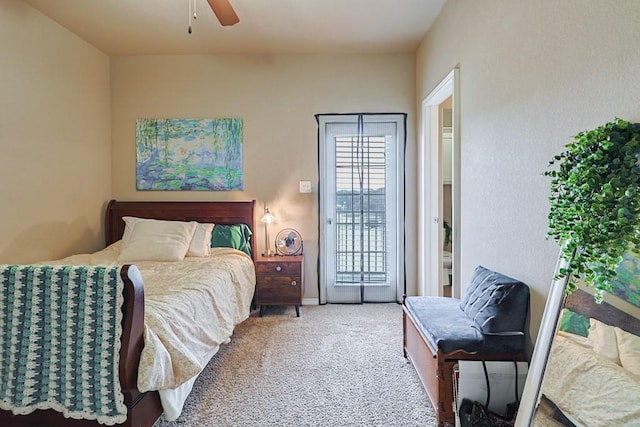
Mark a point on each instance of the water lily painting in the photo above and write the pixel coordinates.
(627, 284)
(189, 154)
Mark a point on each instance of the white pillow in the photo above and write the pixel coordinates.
(578, 339)
(157, 240)
(629, 350)
(129, 224)
(200, 245)
(603, 339)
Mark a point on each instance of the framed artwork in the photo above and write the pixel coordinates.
(189, 154)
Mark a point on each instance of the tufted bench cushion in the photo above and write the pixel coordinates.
(443, 324)
(494, 305)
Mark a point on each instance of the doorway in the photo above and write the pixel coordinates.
(439, 191)
(361, 207)
(446, 195)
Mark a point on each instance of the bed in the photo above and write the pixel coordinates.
(592, 377)
(158, 358)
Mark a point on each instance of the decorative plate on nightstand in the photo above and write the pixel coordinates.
(289, 242)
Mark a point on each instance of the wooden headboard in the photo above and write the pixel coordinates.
(227, 213)
(582, 302)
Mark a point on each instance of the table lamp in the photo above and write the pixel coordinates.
(267, 219)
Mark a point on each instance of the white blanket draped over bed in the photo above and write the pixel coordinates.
(589, 389)
(191, 307)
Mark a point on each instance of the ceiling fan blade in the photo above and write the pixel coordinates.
(224, 11)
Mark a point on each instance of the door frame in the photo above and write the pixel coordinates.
(399, 256)
(430, 189)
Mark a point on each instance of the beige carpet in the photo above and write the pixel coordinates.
(336, 365)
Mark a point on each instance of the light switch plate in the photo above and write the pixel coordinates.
(305, 186)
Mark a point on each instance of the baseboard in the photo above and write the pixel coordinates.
(309, 301)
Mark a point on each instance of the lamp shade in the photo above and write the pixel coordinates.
(267, 218)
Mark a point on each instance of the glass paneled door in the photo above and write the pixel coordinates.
(361, 207)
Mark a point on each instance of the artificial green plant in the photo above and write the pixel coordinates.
(595, 202)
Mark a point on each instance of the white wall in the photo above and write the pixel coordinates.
(532, 75)
(277, 97)
(55, 166)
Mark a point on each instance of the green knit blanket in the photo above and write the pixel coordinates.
(60, 331)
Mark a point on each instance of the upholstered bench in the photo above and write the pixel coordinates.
(489, 322)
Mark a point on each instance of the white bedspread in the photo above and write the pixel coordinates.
(589, 389)
(191, 307)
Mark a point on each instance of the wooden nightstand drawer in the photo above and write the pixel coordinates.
(279, 290)
(279, 268)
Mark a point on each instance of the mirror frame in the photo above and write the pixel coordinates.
(553, 307)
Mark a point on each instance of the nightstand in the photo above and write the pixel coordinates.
(279, 281)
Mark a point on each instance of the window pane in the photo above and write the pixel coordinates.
(360, 182)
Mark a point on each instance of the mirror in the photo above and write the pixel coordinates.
(585, 369)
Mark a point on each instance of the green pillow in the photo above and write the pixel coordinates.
(236, 236)
(574, 323)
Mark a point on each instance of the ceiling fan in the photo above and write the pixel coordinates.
(224, 12)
